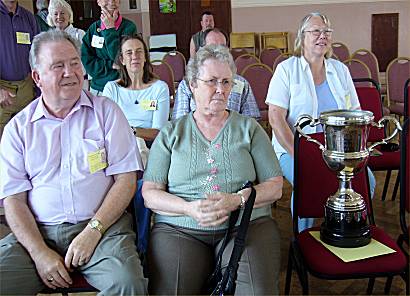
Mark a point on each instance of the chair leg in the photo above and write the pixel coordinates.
(396, 186)
(386, 184)
(289, 271)
(387, 287)
(370, 286)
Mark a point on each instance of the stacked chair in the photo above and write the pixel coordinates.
(341, 51)
(397, 72)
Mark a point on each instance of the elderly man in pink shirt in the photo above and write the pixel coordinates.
(68, 171)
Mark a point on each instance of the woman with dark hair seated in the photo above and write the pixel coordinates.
(193, 181)
(143, 98)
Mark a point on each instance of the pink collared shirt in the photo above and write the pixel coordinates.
(48, 157)
(116, 24)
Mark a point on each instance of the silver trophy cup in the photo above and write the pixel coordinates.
(346, 153)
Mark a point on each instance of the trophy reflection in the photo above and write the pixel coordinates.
(345, 152)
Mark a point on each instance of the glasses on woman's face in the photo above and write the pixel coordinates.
(128, 53)
(318, 32)
(224, 83)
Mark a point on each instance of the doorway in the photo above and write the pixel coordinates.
(385, 38)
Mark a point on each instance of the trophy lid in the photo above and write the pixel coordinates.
(346, 117)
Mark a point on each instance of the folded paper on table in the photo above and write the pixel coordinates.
(373, 249)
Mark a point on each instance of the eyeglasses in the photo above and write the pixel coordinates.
(130, 52)
(225, 83)
(317, 32)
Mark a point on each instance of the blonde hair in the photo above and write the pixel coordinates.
(300, 36)
(54, 4)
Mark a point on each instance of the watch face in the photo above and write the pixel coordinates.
(94, 223)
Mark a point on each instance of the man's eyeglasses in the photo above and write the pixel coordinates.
(225, 83)
(317, 32)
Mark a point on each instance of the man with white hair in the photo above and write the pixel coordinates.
(68, 172)
(241, 98)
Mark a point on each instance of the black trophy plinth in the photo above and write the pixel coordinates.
(345, 229)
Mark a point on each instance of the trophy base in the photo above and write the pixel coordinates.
(345, 229)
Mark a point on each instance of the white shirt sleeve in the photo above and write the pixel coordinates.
(278, 92)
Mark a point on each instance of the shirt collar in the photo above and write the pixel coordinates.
(41, 110)
(116, 24)
(328, 66)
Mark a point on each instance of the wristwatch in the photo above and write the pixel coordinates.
(96, 224)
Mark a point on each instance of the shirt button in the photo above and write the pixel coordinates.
(69, 212)
(65, 166)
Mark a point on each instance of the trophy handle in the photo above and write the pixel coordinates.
(302, 121)
(380, 124)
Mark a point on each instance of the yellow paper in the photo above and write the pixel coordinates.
(149, 105)
(373, 249)
(97, 160)
(348, 101)
(23, 38)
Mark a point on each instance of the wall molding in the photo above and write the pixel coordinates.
(265, 3)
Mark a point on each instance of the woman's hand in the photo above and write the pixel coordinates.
(214, 210)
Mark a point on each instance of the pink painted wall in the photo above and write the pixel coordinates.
(351, 21)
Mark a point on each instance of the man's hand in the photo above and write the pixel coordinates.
(108, 19)
(6, 98)
(82, 247)
(50, 267)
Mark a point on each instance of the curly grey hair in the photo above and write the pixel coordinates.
(218, 52)
(45, 37)
(300, 35)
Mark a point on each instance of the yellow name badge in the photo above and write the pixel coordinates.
(97, 160)
(348, 101)
(23, 38)
(149, 105)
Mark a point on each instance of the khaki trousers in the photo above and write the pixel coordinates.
(24, 91)
(180, 260)
(114, 268)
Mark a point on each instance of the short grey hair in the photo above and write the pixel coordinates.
(46, 37)
(41, 4)
(217, 52)
(54, 5)
(300, 35)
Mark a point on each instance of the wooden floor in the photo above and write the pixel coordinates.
(387, 217)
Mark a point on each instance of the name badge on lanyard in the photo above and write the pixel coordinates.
(23, 38)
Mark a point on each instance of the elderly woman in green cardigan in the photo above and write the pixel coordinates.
(192, 183)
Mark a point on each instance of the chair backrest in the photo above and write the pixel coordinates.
(177, 62)
(164, 72)
(259, 75)
(358, 69)
(370, 100)
(236, 52)
(243, 40)
(279, 59)
(275, 39)
(407, 99)
(405, 175)
(310, 189)
(244, 60)
(334, 56)
(341, 51)
(397, 72)
(269, 55)
(370, 60)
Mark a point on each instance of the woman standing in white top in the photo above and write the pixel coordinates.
(310, 82)
(60, 16)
